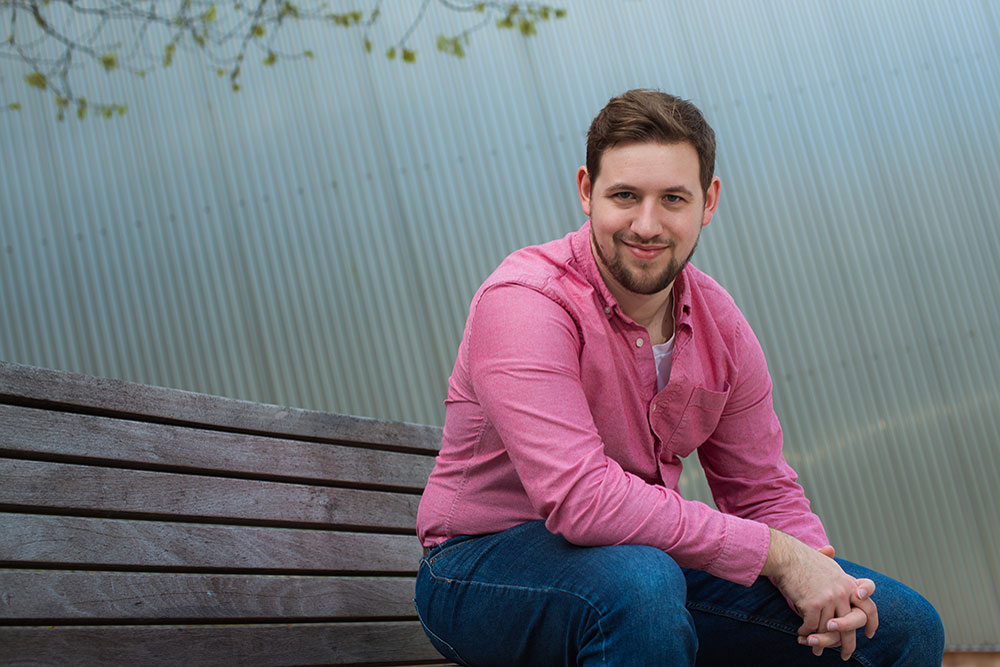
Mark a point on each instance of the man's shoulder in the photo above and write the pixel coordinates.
(540, 266)
(713, 309)
(707, 290)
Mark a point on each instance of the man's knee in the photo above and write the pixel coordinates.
(910, 631)
(910, 625)
(646, 588)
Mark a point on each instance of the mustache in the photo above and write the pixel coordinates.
(635, 239)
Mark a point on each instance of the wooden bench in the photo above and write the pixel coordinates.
(146, 526)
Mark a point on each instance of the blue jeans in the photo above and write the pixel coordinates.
(528, 597)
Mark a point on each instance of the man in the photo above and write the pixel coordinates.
(552, 526)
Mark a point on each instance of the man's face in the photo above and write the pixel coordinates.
(646, 211)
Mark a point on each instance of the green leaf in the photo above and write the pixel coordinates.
(168, 54)
(109, 61)
(37, 80)
(527, 27)
(209, 15)
(14, 106)
(560, 13)
(257, 30)
(272, 58)
(81, 108)
(368, 45)
(391, 53)
(309, 54)
(409, 56)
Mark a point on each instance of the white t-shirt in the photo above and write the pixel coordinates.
(663, 354)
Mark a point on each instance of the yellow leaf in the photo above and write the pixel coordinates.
(168, 54)
(271, 58)
(209, 15)
(37, 80)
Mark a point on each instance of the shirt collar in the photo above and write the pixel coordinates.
(584, 257)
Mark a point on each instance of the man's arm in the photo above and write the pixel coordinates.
(743, 460)
(749, 477)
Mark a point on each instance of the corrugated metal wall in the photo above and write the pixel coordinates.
(314, 239)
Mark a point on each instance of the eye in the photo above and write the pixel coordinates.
(672, 199)
(623, 196)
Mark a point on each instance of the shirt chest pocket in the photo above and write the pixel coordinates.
(696, 422)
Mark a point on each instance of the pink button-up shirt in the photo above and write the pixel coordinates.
(553, 413)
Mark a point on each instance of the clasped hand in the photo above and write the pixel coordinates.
(832, 604)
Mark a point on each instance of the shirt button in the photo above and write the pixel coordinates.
(607, 310)
(638, 342)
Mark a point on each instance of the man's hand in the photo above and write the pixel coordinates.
(832, 604)
(863, 613)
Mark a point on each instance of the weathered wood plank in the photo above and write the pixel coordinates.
(85, 542)
(44, 432)
(37, 595)
(71, 487)
(244, 645)
(27, 383)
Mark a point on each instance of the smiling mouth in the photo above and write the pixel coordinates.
(645, 251)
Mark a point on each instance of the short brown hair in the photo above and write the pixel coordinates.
(644, 116)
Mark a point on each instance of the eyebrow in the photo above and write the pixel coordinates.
(674, 189)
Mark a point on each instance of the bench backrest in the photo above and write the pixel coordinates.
(143, 525)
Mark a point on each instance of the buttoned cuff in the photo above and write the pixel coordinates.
(744, 551)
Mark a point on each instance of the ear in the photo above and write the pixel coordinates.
(711, 200)
(583, 188)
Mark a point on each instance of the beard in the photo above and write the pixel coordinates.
(639, 281)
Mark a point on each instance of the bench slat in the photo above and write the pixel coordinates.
(68, 487)
(43, 432)
(245, 645)
(101, 543)
(126, 596)
(19, 383)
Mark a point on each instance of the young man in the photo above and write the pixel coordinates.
(553, 530)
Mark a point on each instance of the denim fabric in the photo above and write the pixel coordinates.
(528, 597)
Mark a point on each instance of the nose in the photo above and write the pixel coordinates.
(646, 223)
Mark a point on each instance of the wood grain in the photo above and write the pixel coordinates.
(21, 384)
(34, 432)
(127, 596)
(70, 487)
(48, 541)
(194, 646)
